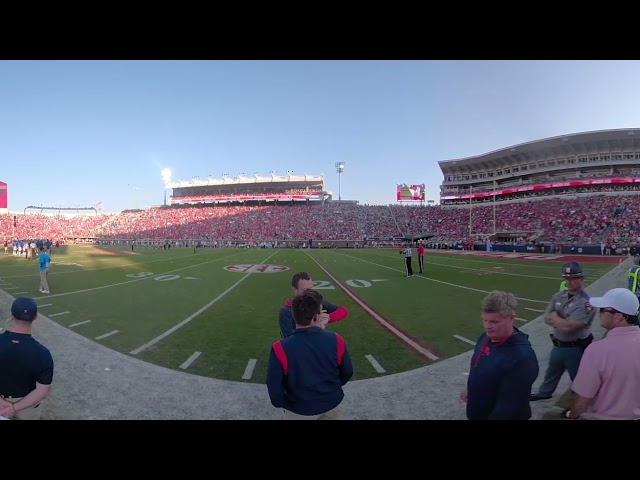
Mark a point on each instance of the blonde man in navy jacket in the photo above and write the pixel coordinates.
(503, 366)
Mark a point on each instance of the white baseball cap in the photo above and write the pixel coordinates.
(620, 299)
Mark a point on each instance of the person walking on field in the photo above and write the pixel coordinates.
(44, 261)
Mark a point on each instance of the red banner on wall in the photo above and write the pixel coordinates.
(528, 188)
(239, 198)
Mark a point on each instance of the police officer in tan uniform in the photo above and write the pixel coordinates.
(571, 316)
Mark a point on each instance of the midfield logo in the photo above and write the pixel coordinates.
(253, 268)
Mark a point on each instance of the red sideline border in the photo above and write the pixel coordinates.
(429, 353)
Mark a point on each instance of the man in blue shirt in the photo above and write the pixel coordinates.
(44, 261)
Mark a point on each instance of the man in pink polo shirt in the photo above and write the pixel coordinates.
(607, 386)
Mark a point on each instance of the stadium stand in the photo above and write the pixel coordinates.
(573, 191)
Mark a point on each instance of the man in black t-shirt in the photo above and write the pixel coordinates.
(26, 366)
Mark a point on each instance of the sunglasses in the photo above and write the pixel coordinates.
(607, 309)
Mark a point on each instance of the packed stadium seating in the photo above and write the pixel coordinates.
(588, 220)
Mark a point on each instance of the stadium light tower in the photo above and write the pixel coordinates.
(166, 178)
(339, 169)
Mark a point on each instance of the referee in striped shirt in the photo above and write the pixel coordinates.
(407, 260)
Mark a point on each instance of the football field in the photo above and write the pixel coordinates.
(215, 312)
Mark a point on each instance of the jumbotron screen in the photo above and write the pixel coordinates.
(407, 192)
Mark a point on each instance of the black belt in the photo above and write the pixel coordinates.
(582, 342)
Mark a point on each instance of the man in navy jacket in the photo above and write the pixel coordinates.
(306, 370)
(300, 283)
(503, 366)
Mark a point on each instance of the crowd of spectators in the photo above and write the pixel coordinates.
(586, 220)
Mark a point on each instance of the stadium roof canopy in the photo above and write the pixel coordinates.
(576, 144)
(247, 180)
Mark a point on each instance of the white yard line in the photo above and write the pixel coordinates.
(191, 317)
(107, 335)
(56, 314)
(190, 360)
(464, 339)
(103, 268)
(533, 309)
(248, 372)
(531, 265)
(374, 363)
(484, 270)
(79, 323)
(137, 279)
(438, 281)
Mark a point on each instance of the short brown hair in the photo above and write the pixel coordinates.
(295, 280)
(306, 306)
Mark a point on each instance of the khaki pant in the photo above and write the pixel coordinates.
(334, 414)
(31, 413)
(44, 285)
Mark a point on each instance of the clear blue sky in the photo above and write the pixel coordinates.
(80, 132)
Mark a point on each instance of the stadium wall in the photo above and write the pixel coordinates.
(565, 250)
